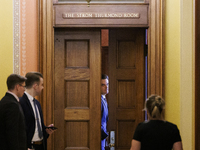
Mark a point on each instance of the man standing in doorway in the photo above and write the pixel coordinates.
(36, 131)
(12, 121)
(104, 109)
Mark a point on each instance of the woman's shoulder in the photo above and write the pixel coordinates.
(170, 124)
(143, 124)
(154, 122)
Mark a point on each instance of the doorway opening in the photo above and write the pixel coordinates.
(105, 67)
(47, 51)
(78, 61)
(105, 61)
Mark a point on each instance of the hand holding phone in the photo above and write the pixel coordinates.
(52, 128)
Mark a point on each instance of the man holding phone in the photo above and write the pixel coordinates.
(37, 132)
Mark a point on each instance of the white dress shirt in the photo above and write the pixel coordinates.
(35, 136)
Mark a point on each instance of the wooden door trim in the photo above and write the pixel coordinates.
(197, 72)
(46, 61)
(156, 63)
(156, 51)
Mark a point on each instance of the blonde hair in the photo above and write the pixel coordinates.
(155, 105)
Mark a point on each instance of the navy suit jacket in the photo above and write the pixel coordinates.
(30, 120)
(12, 124)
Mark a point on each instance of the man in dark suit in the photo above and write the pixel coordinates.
(37, 132)
(104, 109)
(12, 123)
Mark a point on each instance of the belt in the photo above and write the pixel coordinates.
(37, 142)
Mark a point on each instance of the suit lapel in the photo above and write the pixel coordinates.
(29, 104)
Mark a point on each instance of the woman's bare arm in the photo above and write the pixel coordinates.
(178, 146)
(135, 145)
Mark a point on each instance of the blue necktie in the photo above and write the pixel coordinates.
(37, 120)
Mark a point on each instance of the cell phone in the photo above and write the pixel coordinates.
(52, 128)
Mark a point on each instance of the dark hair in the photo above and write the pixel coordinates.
(155, 105)
(13, 80)
(32, 77)
(104, 76)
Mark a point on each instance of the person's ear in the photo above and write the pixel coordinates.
(34, 85)
(17, 86)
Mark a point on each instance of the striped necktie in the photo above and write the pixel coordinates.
(37, 120)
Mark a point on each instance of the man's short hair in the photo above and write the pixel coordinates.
(32, 78)
(104, 76)
(13, 80)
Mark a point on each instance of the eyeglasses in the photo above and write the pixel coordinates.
(23, 85)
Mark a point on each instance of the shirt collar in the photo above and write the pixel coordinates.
(13, 95)
(31, 98)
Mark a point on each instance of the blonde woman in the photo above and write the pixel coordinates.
(156, 133)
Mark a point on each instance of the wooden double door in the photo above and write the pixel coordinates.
(77, 101)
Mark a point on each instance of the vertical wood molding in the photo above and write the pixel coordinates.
(156, 48)
(197, 75)
(46, 48)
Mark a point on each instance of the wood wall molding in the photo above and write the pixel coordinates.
(197, 75)
(46, 56)
(46, 51)
(156, 65)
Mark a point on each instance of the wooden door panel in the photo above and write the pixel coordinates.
(76, 50)
(77, 90)
(77, 94)
(125, 114)
(77, 134)
(126, 94)
(126, 76)
(126, 54)
(124, 133)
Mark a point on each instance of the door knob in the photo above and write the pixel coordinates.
(111, 145)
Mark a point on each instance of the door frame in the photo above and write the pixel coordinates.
(197, 72)
(156, 54)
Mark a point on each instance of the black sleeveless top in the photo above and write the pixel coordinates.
(157, 135)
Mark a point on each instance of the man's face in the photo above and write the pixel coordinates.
(39, 87)
(21, 89)
(104, 86)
